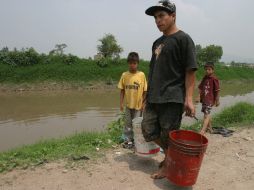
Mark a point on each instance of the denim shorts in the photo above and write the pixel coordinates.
(160, 119)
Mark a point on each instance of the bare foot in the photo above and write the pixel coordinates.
(161, 163)
(161, 173)
(157, 176)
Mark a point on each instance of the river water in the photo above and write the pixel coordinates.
(29, 117)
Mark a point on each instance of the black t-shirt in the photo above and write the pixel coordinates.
(172, 56)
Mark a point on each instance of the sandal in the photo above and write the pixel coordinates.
(223, 131)
(128, 145)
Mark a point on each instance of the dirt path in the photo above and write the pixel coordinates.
(228, 165)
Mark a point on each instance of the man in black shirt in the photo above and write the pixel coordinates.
(171, 80)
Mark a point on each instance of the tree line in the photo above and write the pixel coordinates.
(29, 56)
(108, 51)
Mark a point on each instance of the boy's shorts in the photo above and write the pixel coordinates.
(160, 119)
(206, 109)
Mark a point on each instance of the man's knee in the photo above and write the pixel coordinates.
(150, 132)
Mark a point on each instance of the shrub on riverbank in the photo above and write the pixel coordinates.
(73, 69)
(82, 71)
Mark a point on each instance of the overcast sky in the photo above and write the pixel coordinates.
(80, 23)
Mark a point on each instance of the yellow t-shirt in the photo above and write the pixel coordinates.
(134, 86)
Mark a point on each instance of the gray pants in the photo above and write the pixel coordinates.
(130, 114)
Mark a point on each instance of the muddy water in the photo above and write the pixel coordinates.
(28, 117)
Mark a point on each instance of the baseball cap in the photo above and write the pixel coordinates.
(164, 5)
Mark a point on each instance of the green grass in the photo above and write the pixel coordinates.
(240, 115)
(83, 144)
(86, 71)
(32, 155)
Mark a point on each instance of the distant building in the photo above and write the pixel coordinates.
(251, 66)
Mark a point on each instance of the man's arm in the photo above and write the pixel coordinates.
(122, 92)
(189, 87)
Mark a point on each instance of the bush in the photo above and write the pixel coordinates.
(115, 129)
(242, 113)
(24, 57)
(103, 62)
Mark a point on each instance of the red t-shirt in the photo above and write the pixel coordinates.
(209, 88)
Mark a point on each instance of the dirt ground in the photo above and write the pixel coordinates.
(228, 165)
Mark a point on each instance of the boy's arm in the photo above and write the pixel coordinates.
(217, 92)
(217, 98)
(122, 92)
(121, 86)
(197, 100)
(200, 87)
(144, 94)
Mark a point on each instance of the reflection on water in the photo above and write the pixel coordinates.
(33, 105)
(32, 116)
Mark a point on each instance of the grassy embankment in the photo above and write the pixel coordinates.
(82, 144)
(87, 72)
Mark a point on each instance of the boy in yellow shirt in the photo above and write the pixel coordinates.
(133, 88)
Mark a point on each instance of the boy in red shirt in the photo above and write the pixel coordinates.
(209, 89)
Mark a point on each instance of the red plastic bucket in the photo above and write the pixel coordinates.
(185, 156)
